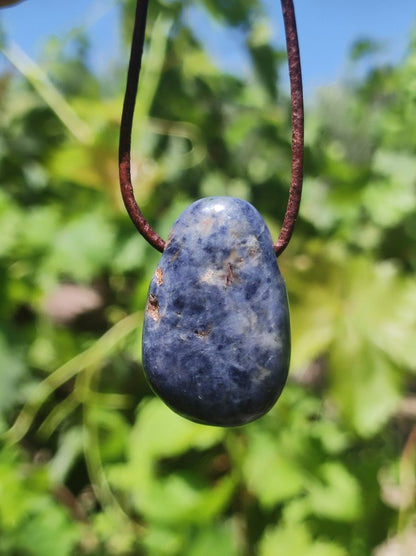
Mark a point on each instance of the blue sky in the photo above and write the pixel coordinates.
(327, 28)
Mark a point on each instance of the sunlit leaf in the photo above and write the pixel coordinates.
(217, 539)
(180, 496)
(271, 472)
(12, 375)
(292, 540)
(82, 248)
(335, 494)
(364, 383)
(364, 47)
(175, 434)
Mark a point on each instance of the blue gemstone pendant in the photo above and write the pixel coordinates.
(216, 336)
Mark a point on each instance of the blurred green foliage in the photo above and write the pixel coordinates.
(90, 462)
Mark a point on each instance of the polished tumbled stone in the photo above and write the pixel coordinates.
(216, 338)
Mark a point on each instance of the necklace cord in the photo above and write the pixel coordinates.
(126, 125)
(124, 157)
(296, 93)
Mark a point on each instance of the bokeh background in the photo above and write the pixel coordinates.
(91, 463)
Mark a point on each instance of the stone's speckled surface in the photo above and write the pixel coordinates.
(216, 338)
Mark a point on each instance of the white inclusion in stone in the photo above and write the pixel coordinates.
(218, 207)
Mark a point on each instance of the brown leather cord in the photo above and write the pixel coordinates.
(296, 91)
(133, 74)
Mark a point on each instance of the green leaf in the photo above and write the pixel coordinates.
(184, 495)
(10, 222)
(12, 376)
(41, 224)
(181, 499)
(89, 358)
(32, 522)
(396, 327)
(48, 530)
(361, 316)
(69, 450)
(314, 304)
(336, 494)
(364, 47)
(364, 382)
(264, 57)
(217, 539)
(233, 12)
(391, 196)
(163, 541)
(365, 378)
(82, 248)
(293, 540)
(175, 434)
(270, 472)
